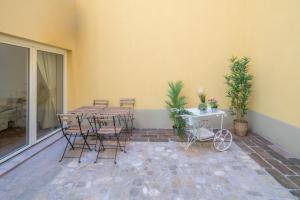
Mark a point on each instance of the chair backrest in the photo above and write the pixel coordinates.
(103, 121)
(101, 102)
(70, 120)
(127, 102)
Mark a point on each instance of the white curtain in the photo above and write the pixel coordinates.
(48, 64)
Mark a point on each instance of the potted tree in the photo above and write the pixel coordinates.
(239, 90)
(175, 105)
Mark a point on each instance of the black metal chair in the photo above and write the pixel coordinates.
(71, 126)
(129, 103)
(108, 128)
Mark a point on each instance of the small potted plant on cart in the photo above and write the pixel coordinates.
(239, 90)
(202, 105)
(213, 104)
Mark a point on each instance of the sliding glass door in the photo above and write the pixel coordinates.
(14, 67)
(32, 93)
(49, 91)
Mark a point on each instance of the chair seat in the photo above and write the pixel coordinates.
(74, 130)
(109, 130)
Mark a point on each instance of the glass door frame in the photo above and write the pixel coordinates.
(32, 87)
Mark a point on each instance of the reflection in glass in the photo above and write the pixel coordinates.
(14, 65)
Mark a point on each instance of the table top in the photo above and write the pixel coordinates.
(209, 112)
(102, 110)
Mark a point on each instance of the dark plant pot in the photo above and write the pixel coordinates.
(202, 107)
(203, 111)
(214, 109)
(175, 131)
(240, 127)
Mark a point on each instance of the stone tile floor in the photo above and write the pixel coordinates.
(284, 169)
(154, 170)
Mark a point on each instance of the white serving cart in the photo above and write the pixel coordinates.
(198, 128)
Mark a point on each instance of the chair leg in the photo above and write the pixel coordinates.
(99, 148)
(119, 144)
(91, 124)
(85, 140)
(131, 128)
(79, 159)
(127, 134)
(96, 142)
(65, 150)
(117, 148)
(69, 141)
(84, 143)
(101, 143)
(125, 143)
(74, 140)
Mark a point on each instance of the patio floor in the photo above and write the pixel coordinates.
(149, 170)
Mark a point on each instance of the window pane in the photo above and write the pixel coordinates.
(14, 65)
(49, 91)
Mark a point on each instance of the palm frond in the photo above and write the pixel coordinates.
(176, 103)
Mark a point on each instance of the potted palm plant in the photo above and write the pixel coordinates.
(239, 90)
(175, 105)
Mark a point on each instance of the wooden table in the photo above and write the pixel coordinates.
(124, 114)
(116, 111)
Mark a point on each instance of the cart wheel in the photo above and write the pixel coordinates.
(222, 140)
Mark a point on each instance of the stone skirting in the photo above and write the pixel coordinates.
(278, 132)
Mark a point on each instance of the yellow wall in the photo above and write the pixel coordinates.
(133, 48)
(52, 22)
(272, 35)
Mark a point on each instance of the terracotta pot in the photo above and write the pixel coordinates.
(240, 127)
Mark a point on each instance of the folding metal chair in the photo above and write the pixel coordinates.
(108, 127)
(129, 103)
(127, 129)
(71, 126)
(101, 103)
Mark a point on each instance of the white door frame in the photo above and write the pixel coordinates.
(32, 87)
